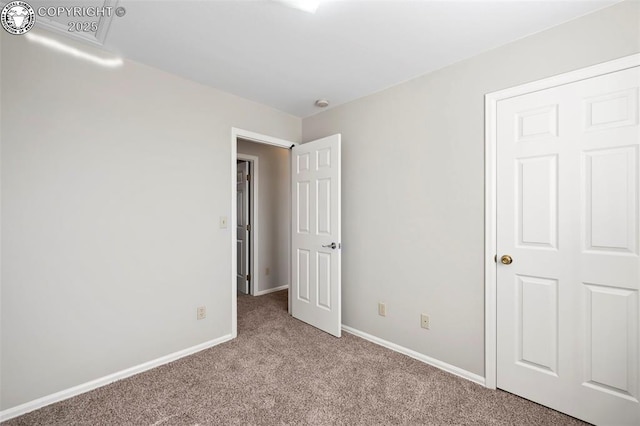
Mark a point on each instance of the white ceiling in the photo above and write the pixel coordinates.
(287, 58)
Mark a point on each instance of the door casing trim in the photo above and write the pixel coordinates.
(490, 163)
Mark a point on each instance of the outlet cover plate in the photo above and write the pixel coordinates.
(202, 312)
(425, 322)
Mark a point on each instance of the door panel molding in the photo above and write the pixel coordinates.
(491, 103)
(316, 234)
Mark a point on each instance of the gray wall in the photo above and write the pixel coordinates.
(273, 219)
(113, 182)
(413, 172)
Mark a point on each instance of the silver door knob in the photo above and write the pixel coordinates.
(331, 246)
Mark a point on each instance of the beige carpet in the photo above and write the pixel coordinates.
(280, 371)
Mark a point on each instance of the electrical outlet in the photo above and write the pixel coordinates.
(424, 321)
(223, 222)
(202, 312)
(382, 309)
(267, 271)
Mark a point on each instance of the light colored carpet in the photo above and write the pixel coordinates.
(280, 371)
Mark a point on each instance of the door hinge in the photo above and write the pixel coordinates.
(248, 178)
(248, 277)
(249, 227)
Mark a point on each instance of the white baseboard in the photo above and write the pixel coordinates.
(94, 384)
(271, 290)
(417, 355)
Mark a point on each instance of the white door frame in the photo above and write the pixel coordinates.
(254, 236)
(491, 103)
(258, 138)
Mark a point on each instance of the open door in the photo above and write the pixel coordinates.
(316, 234)
(242, 240)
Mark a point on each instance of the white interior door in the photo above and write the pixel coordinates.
(242, 230)
(567, 213)
(315, 234)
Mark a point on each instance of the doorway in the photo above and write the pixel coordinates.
(244, 221)
(266, 221)
(254, 254)
(315, 236)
